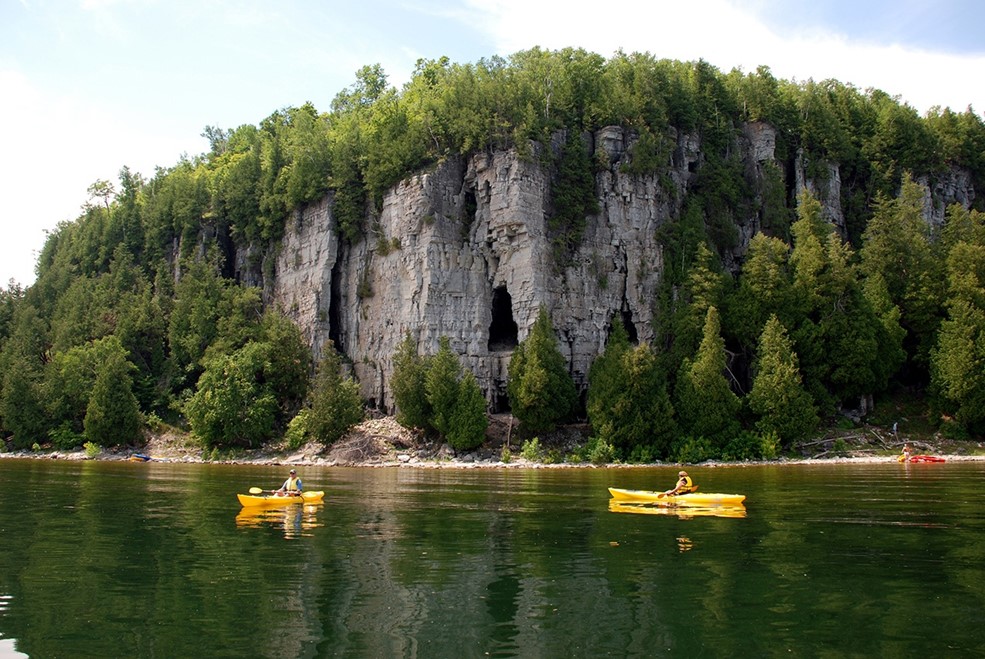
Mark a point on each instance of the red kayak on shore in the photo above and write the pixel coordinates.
(921, 458)
(925, 458)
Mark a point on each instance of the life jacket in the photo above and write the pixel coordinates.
(293, 484)
(688, 486)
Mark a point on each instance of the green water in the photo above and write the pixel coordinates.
(122, 559)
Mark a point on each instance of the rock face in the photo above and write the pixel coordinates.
(464, 251)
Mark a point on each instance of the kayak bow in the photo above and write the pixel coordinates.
(692, 499)
(279, 500)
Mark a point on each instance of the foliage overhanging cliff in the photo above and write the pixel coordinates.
(180, 268)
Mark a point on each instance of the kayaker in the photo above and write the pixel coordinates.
(905, 455)
(684, 485)
(292, 486)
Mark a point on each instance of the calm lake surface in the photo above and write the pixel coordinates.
(125, 559)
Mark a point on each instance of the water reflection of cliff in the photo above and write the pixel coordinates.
(295, 521)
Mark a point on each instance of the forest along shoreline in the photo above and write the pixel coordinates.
(382, 442)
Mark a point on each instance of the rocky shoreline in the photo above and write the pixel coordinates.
(384, 443)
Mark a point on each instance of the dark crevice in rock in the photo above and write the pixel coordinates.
(335, 304)
(503, 329)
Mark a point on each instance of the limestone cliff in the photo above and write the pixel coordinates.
(463, 251)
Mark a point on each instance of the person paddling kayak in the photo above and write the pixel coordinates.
(684, 485)
(292, 486)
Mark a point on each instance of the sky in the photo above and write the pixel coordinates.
(90, 86)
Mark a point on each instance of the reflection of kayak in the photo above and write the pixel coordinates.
(684, 512)
(692, 499)
(293, 520)
(279, 500)
(925, 458)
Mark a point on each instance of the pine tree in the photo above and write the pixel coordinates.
(778, 395)
(408, 386)
(958, 360)
(959, 365)
(628, 404)
(845, 349)
(765, 288)
(704, 287)
(336, 405)
(231, 405)
(605, 380)
(705, 403)
(20, 407)
(540, 388)
(896, 245)
(643, 417)
(113, 415)
(441, 384)
(469, 420)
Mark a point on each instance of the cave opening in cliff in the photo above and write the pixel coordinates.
(627, 322)
(503, 329)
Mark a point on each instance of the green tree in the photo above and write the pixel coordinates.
(290, 361)
(628, 404)
(70, 377)
(958, 359)
(336, 405)
(232, 405)
(574, 198)
(194, 320)
(765, 288)
(113, 415)
(643, 417)
(778, 396)
(10, 297)
(704, 287)
(959, 365)
(846, 351)
(540, 388)
(606, 379)
(441, 382)
(896, 246)
(21, 406)
(408, 386)
(469, 420)
(705, 403)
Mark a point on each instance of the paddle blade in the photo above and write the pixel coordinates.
(256, 490)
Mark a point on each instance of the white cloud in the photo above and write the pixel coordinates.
(56, 147)
(727, 37)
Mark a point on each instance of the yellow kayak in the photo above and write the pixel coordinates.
(692, 499)
(279, 499)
